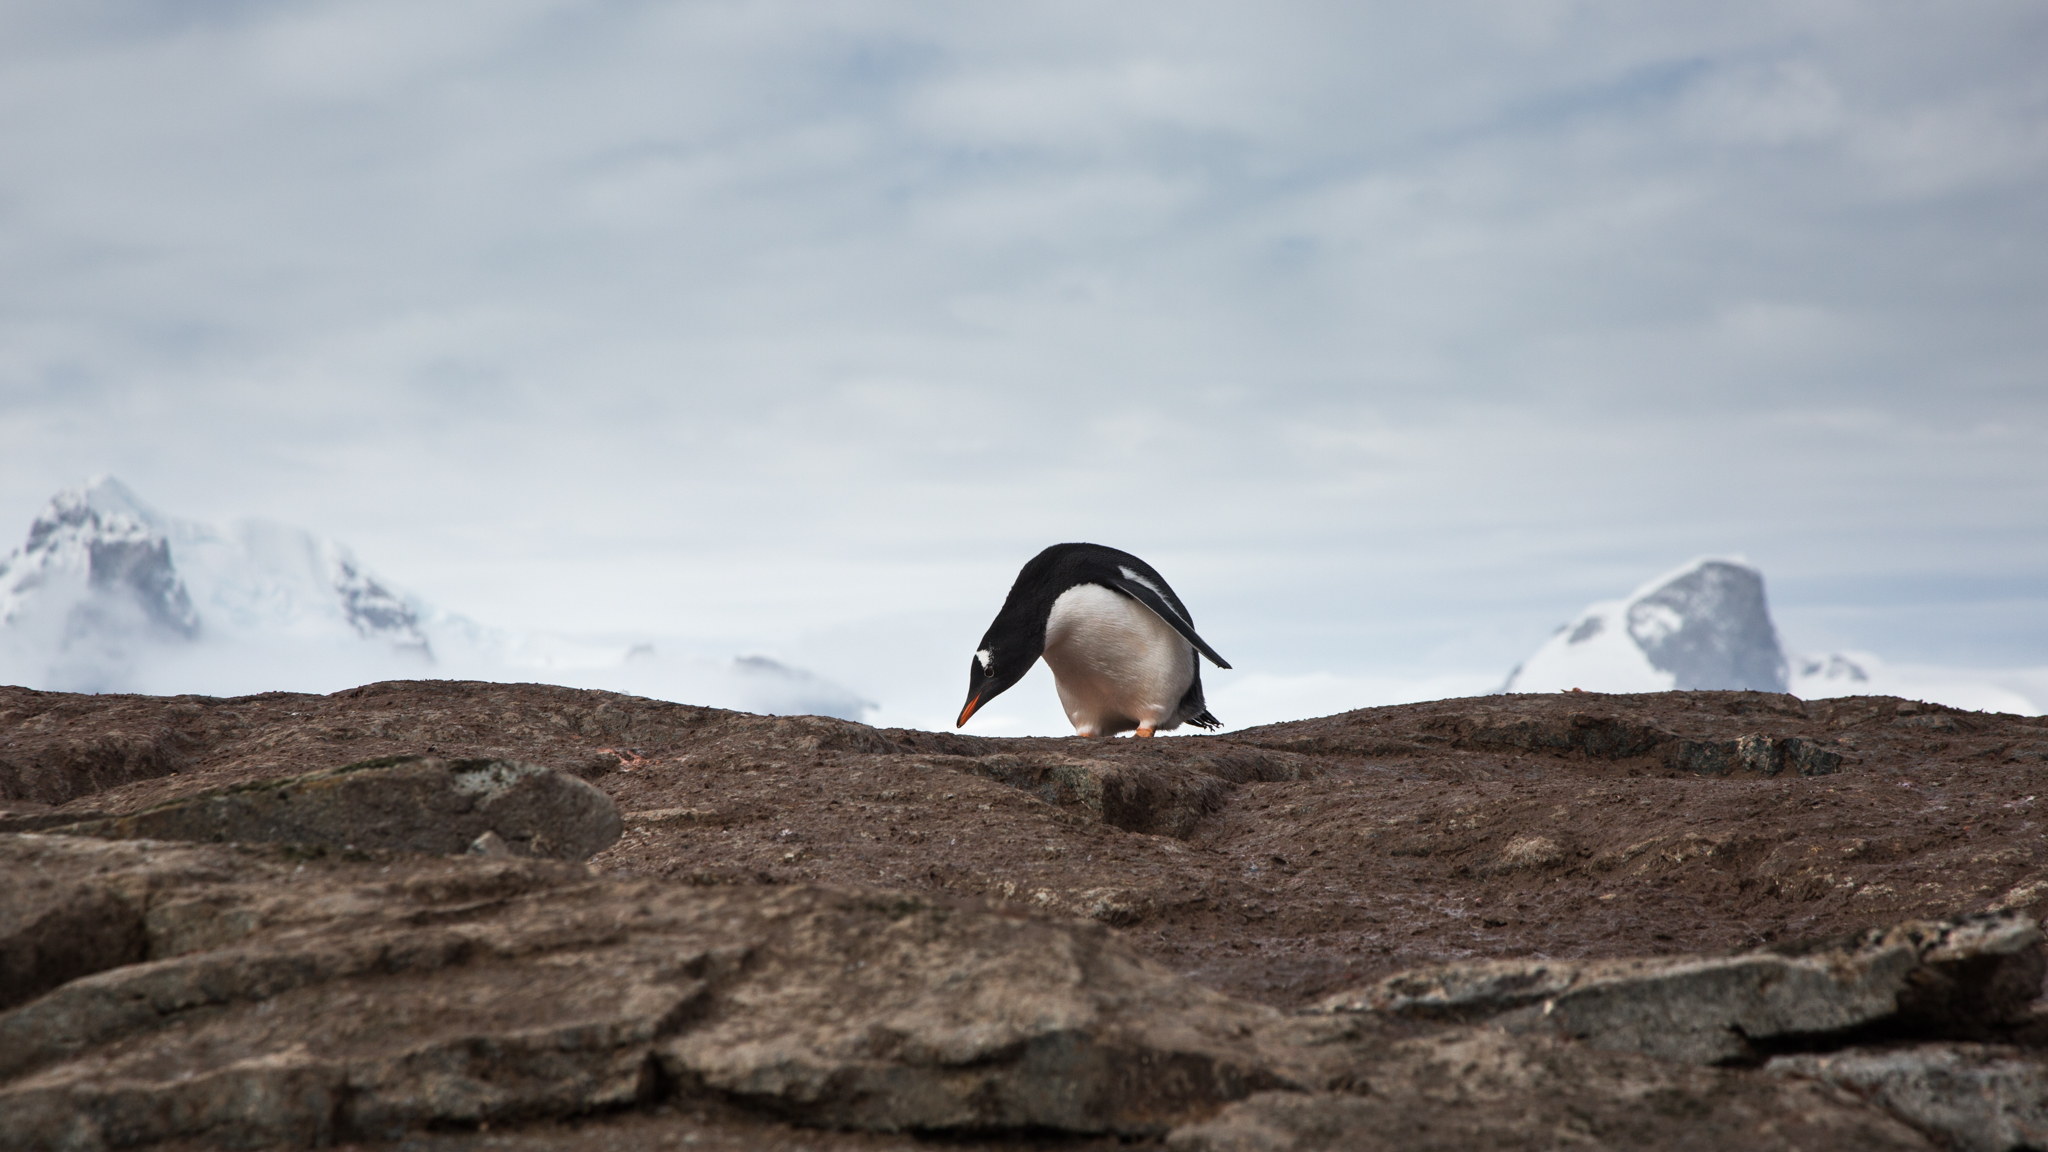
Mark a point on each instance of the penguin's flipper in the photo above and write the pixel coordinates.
(1150, 598)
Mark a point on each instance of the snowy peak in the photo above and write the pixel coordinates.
(102, 555)
(374, 611)
(109, 595)
(1707, 625)
(1703, 625)
(104, 581)
(103, 497)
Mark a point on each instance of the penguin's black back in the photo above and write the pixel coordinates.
(1062, 566)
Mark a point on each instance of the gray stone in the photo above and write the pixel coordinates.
(1810, 757)
(911, 1018)
(265, 997)
(1706, 1010)
(53, 931)
(1762, 754)
(1976, 1097)
(404, 804)
(1477, 1089)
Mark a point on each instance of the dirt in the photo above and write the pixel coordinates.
(1278, 864)
(1425, 833)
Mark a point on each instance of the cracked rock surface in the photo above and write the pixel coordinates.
(396, 803)
(1926, 977)
(1693, 919)
(293, 1002)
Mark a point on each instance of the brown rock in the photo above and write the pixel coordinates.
(56, 928)
(1273, 866)
(361, 999)
(398, 804)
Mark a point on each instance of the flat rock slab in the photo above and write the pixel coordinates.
(293, 1002)
(1919, 976)
(397, 804)
(1479, 1090)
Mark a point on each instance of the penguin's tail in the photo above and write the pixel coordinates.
(1206, 720)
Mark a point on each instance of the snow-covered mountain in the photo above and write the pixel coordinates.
(109, 595)
(2020, 691)
(1703, 625)
(1707, 624)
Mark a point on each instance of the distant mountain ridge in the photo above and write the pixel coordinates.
(107, 594)
(1705, 624)
(102, 575)
(100, 549)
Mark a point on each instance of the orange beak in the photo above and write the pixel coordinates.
(967, 711)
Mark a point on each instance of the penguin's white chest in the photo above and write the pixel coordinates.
(1117, 666)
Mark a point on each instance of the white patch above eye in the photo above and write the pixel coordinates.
(988, 662)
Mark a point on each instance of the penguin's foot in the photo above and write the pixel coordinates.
(1144, 732)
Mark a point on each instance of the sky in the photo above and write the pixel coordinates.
(1392, 334)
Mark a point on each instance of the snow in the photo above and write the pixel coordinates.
(1608, 648)
(2020, 691)
(1704, 624)
(1594, 652)
(110, 595)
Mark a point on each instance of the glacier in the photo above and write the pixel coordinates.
(107, 594)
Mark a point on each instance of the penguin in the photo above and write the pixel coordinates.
(1120, 644)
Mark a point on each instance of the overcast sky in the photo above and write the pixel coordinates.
(1392, 334)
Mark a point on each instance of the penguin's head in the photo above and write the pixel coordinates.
(993, 670)
(1015, 641)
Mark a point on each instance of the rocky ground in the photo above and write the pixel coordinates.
(1693, 919)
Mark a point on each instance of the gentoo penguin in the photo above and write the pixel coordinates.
(1120, 644)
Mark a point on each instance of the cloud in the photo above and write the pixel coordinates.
(1780, 103)
(1390, 325)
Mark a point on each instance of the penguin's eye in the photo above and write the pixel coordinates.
(987, 660)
